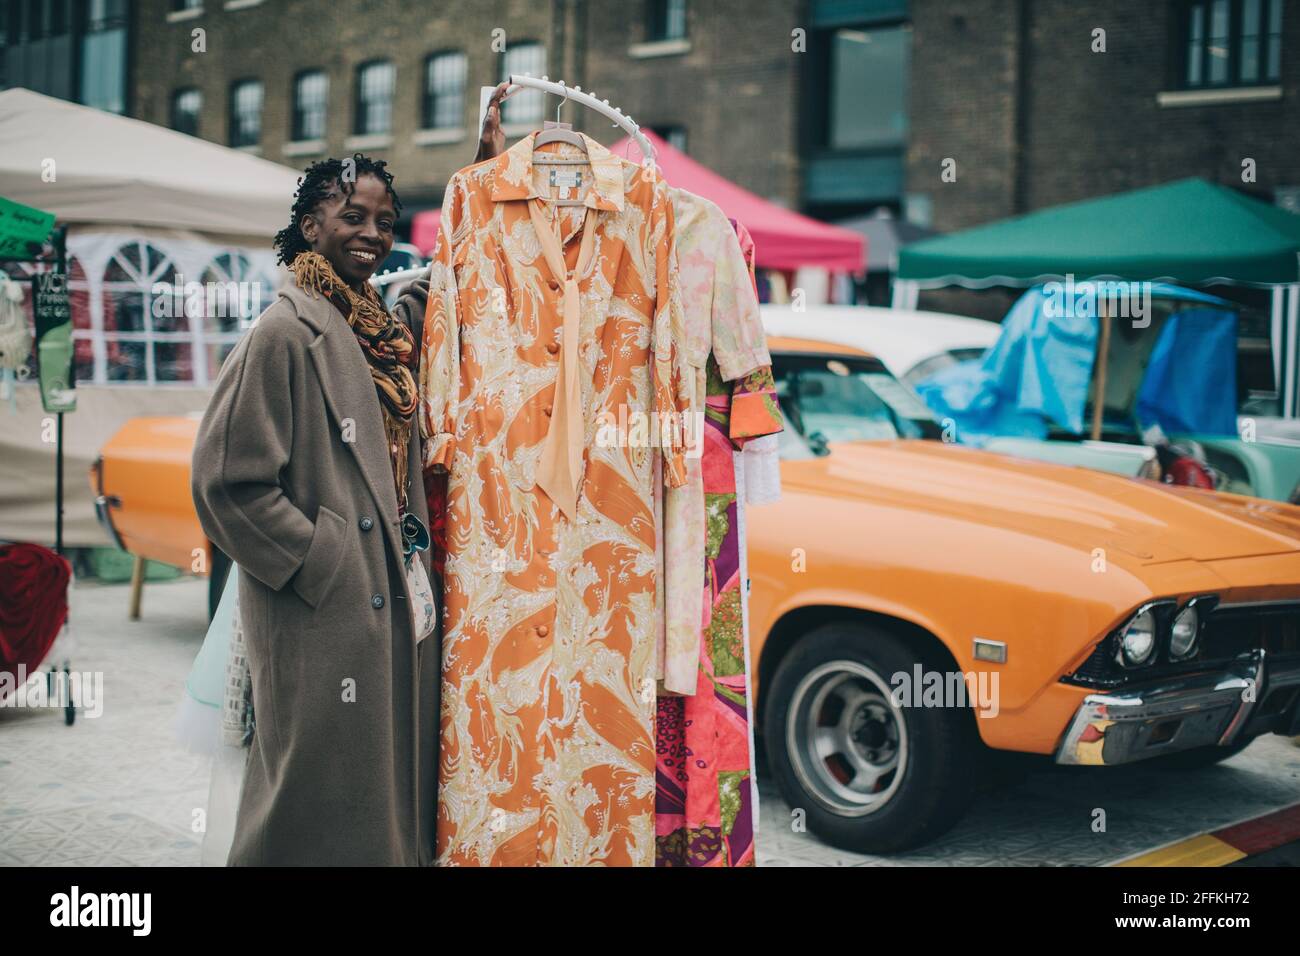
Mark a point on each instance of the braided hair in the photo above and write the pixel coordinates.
(318, 184)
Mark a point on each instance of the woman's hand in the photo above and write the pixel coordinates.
(492, 142)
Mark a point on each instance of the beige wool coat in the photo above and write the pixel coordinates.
(292, 480)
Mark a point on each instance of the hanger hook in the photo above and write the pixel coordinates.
(564, 98)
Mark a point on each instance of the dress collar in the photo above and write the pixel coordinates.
(514, 173)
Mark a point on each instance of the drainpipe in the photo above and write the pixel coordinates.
(1020, 133)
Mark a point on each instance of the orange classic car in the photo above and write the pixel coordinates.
(914, 603)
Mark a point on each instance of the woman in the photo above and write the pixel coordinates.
(303, 475)
(306, 473)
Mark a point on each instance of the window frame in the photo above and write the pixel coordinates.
(298, 111)
(362, 107)
(658, 20)
(430, 97)
(510, 109)
(177, 94)
(1269, 73)
(233, 126)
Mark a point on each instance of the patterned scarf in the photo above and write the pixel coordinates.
(389, 349)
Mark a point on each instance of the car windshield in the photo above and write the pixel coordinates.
(937, 363)
(827, 398)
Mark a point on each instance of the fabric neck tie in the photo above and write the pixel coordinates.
(560, 467)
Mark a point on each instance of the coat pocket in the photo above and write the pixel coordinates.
(324, 557)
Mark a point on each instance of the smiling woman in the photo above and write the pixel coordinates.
(302, 475)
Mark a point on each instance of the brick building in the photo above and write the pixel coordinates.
(835, 107)
(1036, 114)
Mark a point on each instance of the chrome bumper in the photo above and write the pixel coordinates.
(1249, 696)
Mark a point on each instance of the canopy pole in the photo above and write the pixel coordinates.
(1099, 380)
(1292, 360)
(1277, 327)
(906, 293)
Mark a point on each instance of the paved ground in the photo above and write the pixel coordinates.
(118, 790)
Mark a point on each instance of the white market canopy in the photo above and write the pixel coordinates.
(114, 170)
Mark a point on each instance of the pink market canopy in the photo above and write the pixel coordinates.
(784, 239)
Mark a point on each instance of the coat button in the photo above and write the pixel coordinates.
(553, 347)
(366, 523)
(377, 601)
(542, 630)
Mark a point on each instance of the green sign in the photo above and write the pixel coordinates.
(21, 228)
(54, 349)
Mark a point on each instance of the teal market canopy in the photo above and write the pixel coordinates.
(1190, 231)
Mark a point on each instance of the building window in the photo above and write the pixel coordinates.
(444, 91)
(102, 82)
(246, 113)
(667, 20)
(375, 97)
(868, 87)
(236, 290)
(674, 136)
(524, 107)
(186, 106)
(310, 96)
(139, 346)
(1228, 43)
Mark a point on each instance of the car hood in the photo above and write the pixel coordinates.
(1077, 507)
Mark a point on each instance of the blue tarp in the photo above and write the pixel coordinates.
(1039, 371)
(1190, 385)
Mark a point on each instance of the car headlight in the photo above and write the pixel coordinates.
(1137, 642)
(1182, 636)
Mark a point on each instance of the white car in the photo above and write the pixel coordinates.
(913, 345)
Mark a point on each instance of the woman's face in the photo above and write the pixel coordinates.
(354, 231)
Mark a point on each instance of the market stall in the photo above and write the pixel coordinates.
(168, 257)
(1190, 232)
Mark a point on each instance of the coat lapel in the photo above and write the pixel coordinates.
(350, 396)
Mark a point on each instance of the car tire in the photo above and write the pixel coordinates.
(217, 579)
(936, 751)
(1199, 757)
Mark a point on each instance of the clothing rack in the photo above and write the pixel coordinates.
(555, 88)
(400, 275)
(589, 100)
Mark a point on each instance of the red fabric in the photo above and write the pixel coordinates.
(33, 604)
(424, 230)
(435, 496)
(785, 239)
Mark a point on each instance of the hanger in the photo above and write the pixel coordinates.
(557, 132)
(557, 88)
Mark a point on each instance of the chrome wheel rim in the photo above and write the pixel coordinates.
(846, 738)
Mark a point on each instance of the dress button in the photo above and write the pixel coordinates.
(377, 601)
(554, 286)
(542, 630)
(366, 523)
(547, 410)
(553, 347)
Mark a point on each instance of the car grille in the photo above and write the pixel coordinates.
(1227, 632)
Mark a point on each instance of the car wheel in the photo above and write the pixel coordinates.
(217, 579)
(1199, 757)
(871, 776)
